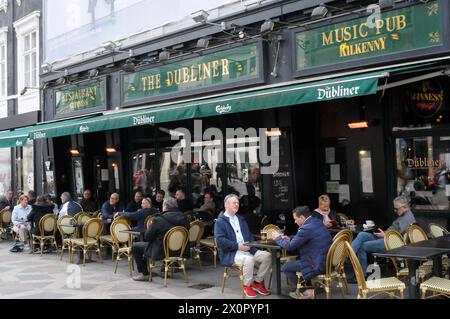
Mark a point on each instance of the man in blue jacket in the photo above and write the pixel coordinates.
(312, 242)
(232, 233)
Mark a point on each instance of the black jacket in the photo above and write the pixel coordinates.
(185, 205)
(89, 205)
(160, 226)
(36, 214)
(133, 206)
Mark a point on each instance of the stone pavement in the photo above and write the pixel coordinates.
(24, 275)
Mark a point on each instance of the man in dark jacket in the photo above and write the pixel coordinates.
(141, 215)
(312, 242)
(39, 210)
(152, 248)
(88, 203)
(232, 233)
(136, 203)
(69, 207)
(184, 204)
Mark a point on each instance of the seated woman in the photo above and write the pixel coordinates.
(141, 214)
(329, 217)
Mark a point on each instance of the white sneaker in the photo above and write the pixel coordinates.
(293, 294)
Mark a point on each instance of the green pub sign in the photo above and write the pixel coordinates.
(195, 75)
(82, 97)
(401, 30)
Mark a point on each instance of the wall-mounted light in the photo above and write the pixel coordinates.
(111, 150)
(74, 152)
(267, 26)
(274, 133)
(202, 43)
(358, 125)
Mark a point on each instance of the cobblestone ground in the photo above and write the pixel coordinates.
(25, 275)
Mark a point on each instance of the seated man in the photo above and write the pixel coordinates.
(184, 204)
(232, 233)
(158, 200)
(141, 214)
(69, 207)
(152, 248)
(208, 210)
(19, 219)
(39, 210)
(88, 203)
(111, 207)
(312, 242)
(366, 242)
(329, 216)
(136, 203)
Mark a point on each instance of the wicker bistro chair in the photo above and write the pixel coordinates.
(47, 225)
(67, 233)
(345, 232)
(108, 241)
(343, 219)
(390, 285)
(175, 240)
(240, 272)
(437, 286)
(82, 217)
(416, 234)
(334, 267)
(123, 243)
(394, 239)
(437, 230)
(196, 230)
(209, 244)
(5, 223)
(90, 240)
(149, 220)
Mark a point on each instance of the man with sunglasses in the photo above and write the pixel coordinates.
(366, 242)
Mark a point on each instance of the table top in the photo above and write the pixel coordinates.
(134, 231)
(442, 243)
(263, 244)
(412, 252)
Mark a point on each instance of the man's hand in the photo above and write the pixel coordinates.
(275, 235)
(244, 247)
(328, 225)
(380, 234)
(350, 222)
(116, 215)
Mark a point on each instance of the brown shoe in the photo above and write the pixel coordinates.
(140, 278)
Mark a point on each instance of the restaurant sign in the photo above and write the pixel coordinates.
(392, 32)
(211, 71)
(426, 98)
(80, 98)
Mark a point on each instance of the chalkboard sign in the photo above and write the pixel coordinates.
(281, 182)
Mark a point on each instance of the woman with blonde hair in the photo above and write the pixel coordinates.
(329, 216)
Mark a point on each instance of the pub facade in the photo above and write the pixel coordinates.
(351, 99)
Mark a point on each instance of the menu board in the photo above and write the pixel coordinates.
(281, 181)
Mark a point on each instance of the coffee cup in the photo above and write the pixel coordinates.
(263, 235)
(370, 223)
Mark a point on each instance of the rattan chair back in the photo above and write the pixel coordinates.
(270, 229)
(116, 232)
(48, 224)
(175, 240)
(437, 230)
(66, 231)
(416, 234)
(359, 274)
(196, 230)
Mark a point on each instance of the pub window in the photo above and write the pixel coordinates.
(423, 171)
(421, 105)
(5, 170)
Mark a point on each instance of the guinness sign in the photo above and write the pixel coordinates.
(426, 98)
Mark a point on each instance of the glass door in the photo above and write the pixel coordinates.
(144, 172)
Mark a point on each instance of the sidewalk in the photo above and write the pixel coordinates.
(24, 275)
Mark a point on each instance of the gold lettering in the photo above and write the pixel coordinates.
(327, 40)
(362, 33)
(169, 81)
(401, 22)
(215, 68)
(225, 67)
(347, 34)
(186, 75)
(206, 70)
